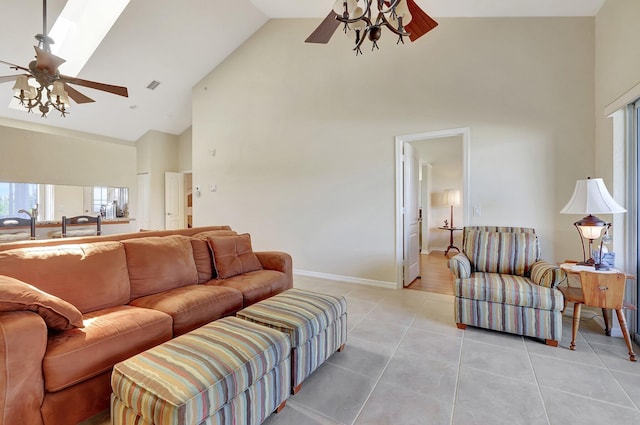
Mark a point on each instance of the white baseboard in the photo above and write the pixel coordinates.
(349, 279)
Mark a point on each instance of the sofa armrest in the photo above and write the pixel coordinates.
(279, 261)
(547, 274)
(23, 342)
(460, 266)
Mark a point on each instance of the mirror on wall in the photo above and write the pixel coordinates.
(50, 202)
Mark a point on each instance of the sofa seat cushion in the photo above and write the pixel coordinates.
(255, 286)
(508, 289)
(194, 305)
(159, 263)
(91, 276)
(109, 336)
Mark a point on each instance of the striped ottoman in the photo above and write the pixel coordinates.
(316, 323)
(227, 372)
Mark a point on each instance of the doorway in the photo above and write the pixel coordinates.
(404, 214)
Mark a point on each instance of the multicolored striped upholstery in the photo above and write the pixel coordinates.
(508, 289)
(189, 379)
(502, 285)
(547, 274)
(501, 252)
(316, 323)
(252, 407)
(533, 322)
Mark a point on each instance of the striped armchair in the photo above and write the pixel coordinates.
(501, 284)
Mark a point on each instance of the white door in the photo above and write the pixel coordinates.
(173, 202)
(411, 216)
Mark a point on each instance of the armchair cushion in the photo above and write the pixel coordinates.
(508, 289)
(501, 252)
(547, 274)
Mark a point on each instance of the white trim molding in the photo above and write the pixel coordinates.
(348, 279)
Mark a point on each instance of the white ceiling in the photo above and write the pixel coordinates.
(179, 42)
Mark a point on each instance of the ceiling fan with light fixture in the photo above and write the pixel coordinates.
(402, 17)
(42, 87)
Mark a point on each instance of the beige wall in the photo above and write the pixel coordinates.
(304, 133)
(184, 150)
(42, 154)
(617, 71)
(159, 153)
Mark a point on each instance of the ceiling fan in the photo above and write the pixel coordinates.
(402, 17)
(51, 89)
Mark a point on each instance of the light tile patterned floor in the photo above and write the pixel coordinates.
(406, 363)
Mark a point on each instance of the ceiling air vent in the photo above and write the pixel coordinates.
(152, 85)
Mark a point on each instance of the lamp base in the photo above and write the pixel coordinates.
(601, 267)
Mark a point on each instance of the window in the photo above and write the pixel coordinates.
(17, 196)
(100, 199)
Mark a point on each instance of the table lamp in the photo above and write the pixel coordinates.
(590, 197)
(452, 198)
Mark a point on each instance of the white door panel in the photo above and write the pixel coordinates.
(411, 216)
(174, 204)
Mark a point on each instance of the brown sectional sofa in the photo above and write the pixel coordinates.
(134, 291)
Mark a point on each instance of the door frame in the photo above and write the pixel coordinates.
(465, 132)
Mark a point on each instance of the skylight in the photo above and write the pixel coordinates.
(80, 28)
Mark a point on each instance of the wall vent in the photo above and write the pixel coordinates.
(152, 85)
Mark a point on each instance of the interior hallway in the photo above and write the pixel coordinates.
(435, 275)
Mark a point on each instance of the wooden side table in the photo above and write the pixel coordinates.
(451, 245)
(599, 289)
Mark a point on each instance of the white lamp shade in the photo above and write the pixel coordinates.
(591, 196)
(452, 197)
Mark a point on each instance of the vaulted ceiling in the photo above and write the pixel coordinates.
(177, 43)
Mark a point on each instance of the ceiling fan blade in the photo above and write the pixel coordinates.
(12, 65)
(119, 90)
(421, 22)
(7, 78)
(46, 61)
(325, 30)
(76, 95)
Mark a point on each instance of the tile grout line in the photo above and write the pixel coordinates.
(455, 391)
(375, 385)
(614, 378)
(535, 377)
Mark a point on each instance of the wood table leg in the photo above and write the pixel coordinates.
(577, 308)
(625, 333)
(607, 314)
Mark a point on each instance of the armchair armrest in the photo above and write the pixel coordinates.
(460, 266)
(547, 274)
(279, 261)
(23, 342)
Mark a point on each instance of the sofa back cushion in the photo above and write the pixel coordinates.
(501, 252)
(159, 263)
(90, 276)
(202, 253)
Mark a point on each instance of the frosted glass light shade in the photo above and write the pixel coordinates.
(338, 6)
(22, 83)
(591, 196)
(591, 232)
